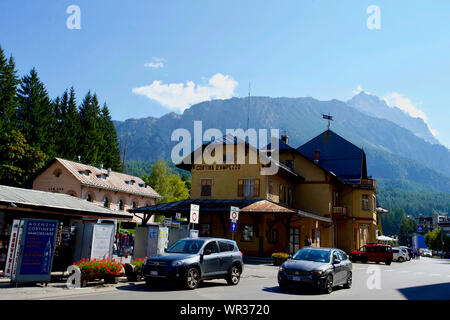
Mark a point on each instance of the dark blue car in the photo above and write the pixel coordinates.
(191, 260)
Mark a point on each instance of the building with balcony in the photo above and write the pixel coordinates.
(320, 192)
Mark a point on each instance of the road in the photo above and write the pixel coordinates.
(426, 278)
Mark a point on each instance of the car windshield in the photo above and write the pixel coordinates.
(186, 246)
(312, 255)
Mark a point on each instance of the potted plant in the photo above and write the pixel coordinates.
(106, 269)
(279, 257)
(133, 270)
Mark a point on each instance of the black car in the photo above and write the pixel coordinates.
(191, 260)
(321, 268)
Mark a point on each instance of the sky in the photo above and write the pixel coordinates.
(148, 58)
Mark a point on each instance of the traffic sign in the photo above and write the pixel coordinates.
(233, 226)
(195, 213)
(419, 228)
(178, 216)
(234, 213)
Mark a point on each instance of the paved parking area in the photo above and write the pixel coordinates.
(417, 279)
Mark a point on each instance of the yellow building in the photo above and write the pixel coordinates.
(328, 200)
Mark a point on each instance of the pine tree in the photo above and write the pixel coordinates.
(8, 88)
(90, 125)
(110, 150)
(35, 115)
(71, 129)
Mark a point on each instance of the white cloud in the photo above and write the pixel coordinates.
(398, 100)
(180, 96)
(156, 63)
(359, 89)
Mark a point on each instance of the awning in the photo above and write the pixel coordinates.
(384, 238)
(313, 216)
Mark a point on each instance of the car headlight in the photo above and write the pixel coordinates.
(177, 263)
(282, 268)
(317, 272)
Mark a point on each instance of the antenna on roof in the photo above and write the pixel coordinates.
(79, 159)
(248, 110)
(329, 118)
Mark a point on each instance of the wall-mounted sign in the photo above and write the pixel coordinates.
(178, 216)
(216, 167)
(167, 222)
(163, 239)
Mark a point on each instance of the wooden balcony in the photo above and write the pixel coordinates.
(339, 211)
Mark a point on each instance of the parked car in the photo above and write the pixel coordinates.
(320, 268)
(373, 252)
(409, 251)
(191, 260)
(400, 254)
(427, 253)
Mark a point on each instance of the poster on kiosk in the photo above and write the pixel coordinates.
(33, 256)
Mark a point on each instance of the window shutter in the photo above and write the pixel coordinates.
(256, 188)
(240, 188)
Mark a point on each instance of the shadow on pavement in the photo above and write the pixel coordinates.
(439, 291)
(299, 291)
(167, 286)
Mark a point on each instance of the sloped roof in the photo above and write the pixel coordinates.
(337, 155)
(115, 182)
(63, 203)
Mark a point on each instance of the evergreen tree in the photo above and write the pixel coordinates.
(8, 88)
(71, 130)
(35, 115)
(90, 137)
(110, 150)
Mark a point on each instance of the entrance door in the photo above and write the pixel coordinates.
(294, 240)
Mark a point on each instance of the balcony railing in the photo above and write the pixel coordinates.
(368, 183)
(339, 211)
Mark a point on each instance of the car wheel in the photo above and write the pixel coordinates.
(192, 278)
(364, 259)
(400, 259)
(234, 276)
(348, 284)
(328, 284)
(388, 262)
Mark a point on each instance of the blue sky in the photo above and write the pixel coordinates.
(147, 58)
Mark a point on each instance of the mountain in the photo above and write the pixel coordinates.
(375, 107)
(393, 152)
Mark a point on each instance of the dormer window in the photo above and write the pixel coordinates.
(142, 185)
(84, 172)
(101, 176)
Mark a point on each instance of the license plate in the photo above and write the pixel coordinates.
(296, 278)
(154, 273)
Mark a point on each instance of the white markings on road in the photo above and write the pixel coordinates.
(420, 272)
(404, 271)
(436, 274)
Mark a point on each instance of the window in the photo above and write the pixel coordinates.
(343, 255)
(206, 185)
(273, 236)
(89, 197)
(57, 173)
(204, 230)
(226, 246)
(101, 176)
(270, 187)
(248, 188)
(134, 205)
(290, 164)
(313, 235)
(212, 246)
(335, 198)
(290, 198)
(365, 204)
(336, 256)
(282, 193)
(247, 232)
(121, 205)
(106, 202)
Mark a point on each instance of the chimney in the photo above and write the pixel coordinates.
(316, 156)
(101, 166)
(109, 172)
(285, 138)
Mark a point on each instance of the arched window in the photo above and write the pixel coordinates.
(89, 197)
(121, 206)
(134, 205)
(106, 202)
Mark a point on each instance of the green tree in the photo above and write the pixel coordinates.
(35, 114)
(110, 150)
(90, 138)
(8, 89)
(407, 227)
(434, 240)
(168, 184)
(18, 159)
